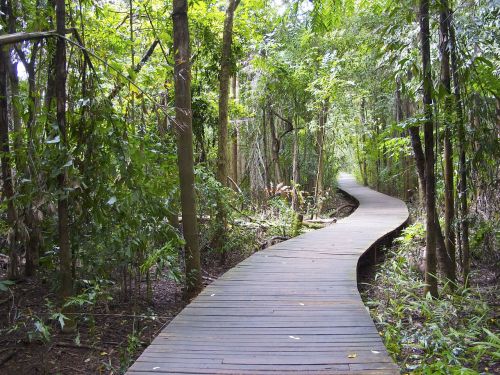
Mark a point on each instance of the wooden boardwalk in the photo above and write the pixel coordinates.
(292, 308)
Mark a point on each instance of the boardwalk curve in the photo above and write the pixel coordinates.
(292, 308)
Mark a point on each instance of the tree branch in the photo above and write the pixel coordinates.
(22, 36)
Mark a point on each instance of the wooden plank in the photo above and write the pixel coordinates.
(292, 308)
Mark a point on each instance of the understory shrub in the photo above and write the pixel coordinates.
(455, 334)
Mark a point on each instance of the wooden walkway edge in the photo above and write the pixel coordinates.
(293, 308)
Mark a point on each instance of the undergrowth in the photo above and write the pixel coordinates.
(455, 334)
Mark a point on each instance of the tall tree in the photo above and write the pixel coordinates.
(183, 121)
(224, 77)
(222, 153)
(234, 137)
(449, 204)
(430, 186)
(320, 141)
(295, 166)
(462, 184)
(275, 149)
(8, 188)
(65, 262)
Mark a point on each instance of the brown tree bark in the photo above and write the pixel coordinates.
(364, 171)
(265, 148)
(320, 140)
(449, 204)
(183, 121)
(442, 255)
(295, 166)
(65, 261)
(430, 179)
(222, 152)
(462, 184)
(224, 76)
(275, 150)
(234, 138)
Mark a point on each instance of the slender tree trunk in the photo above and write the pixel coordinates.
(264, 148)
(224, 76)
(234, 156)
(462, 185)
(17, 141)
(364, 171)
(442, 254)
(222, 153)
(234, 140)
(131, 107)
(320, 139)
(431, 267)
(275, 150)
(8, 188)
(378, 157)
(183, 120)
(295, 166)
(449, 204)
(65, 261)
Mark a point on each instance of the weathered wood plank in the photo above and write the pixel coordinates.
(292, 308)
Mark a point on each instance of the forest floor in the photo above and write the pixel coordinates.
(110, 335)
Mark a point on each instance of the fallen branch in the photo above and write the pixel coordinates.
(75, 346)
(310, 225)
(235, 185)
(347, 205)
(271, 241)
(321, 221)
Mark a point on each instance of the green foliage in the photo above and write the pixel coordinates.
(284, 218)
(448, 335)
(127, 354)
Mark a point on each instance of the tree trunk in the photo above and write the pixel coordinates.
(275, 150)
(8, 188)
(234, 141)
(442, 254)
(462, 185)
(65, 256)
(430, 181)
(449, 204)
(224, 76)
(320, 139)
(183, 121)
(264, 149)
(222, 153)
(364, 172)
(295, 166)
